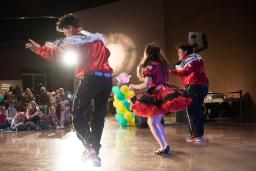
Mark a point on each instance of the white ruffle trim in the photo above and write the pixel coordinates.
(77, 40)
(191, 58)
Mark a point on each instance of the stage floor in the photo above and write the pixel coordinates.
(227, 147)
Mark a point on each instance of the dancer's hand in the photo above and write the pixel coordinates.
(131, 87)
(32, 45)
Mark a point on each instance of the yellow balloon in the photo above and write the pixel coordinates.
(129, 94)
(125, 109)
(121, 109)
(119, 102)
(125, 94)
(132, 93)
(128, 116)
(124, 89)
(115, 104)
(133, 122)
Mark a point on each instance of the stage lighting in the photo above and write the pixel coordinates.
(70, 57)
(117, 55)
(123, 52)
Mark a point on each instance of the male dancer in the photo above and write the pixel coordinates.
(94, 73)
(191, 70)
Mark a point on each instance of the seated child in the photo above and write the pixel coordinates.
(3, 118)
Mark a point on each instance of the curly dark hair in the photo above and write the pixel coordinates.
(185, 47)
(152, 52)
(68, 20)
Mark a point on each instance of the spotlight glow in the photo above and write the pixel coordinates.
(70, 57)
(123, 52)
(70, 151)
(117, 55)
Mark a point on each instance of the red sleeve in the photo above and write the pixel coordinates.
(148, 71)
(194, 67)
(180, 72)
(47, 52)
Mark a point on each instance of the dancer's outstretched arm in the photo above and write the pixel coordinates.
(145, 84)
(44, 51)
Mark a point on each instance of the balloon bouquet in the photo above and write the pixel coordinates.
(122, 94)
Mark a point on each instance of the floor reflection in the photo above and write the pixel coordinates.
(227, 147)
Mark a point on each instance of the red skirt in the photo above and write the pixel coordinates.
(159, 100)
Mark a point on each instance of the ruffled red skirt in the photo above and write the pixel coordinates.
(159, 100)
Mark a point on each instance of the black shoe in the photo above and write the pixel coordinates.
(93, 156)
(167, 149)
(162, 151)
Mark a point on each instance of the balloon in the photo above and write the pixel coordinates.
(121, 109)
(119, 117)
(119, 103)
(133, 122)
(126, 104)
(129, 94)
(120, 96)
(124, 89)
(115, 89)
(115, 104)
(124, 116)
(128, 116)
(123, 123)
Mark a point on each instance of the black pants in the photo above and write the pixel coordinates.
(89, 123)
(194, 110)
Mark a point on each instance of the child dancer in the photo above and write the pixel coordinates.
(159, 98)
(194, 79)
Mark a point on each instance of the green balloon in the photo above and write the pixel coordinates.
(126, 104)
(119, 117)
(115, 89)
(123, 123)
(120, 96)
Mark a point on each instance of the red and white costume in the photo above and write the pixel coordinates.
(192, 71)
(91, 46)
(160, 97)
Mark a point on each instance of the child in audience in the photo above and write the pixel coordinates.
(3, 118)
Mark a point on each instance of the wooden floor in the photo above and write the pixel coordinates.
(228, 147)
